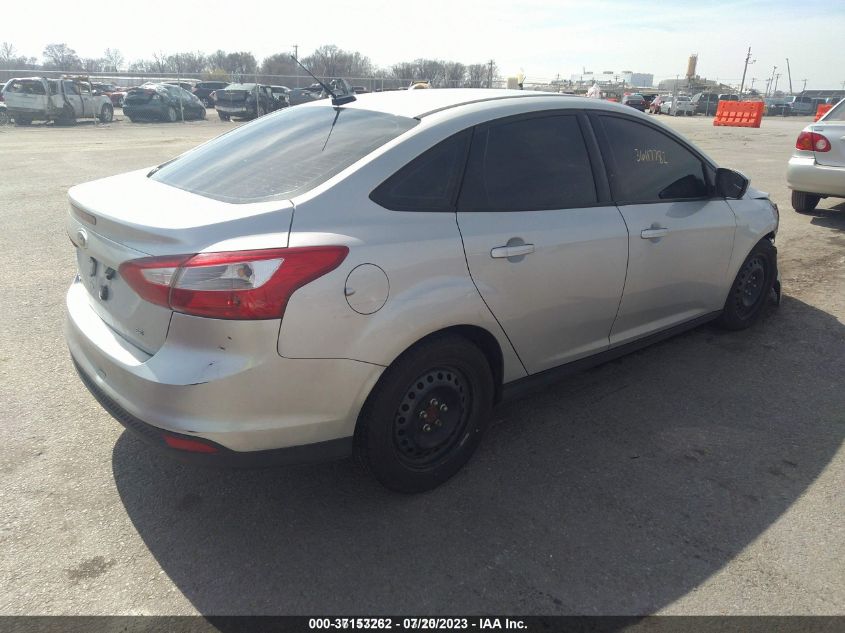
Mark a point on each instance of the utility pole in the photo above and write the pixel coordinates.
(804, 87)
(789, 74)
(744, 70)
(768, 84)
(774, 90)
(490, 74)
(753, 79)
(774, 68)
(296, 52)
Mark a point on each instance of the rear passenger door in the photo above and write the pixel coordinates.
(545, 247)
(681, 234)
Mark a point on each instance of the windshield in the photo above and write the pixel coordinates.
(283, 154)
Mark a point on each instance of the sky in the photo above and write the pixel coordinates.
(544, 38)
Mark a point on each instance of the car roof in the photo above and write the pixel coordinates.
(420, 103)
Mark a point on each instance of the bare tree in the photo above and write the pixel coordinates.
(478, 75)
(331, 61)
(91, 65)
(7, 52)
(61, 57)
(454, 74)
(113, 59)
(241, 63)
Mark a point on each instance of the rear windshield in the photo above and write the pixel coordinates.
(282, 155)
(837, 113)
(25, 87)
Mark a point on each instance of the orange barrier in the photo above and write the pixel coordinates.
(739, 113)
(822, 110)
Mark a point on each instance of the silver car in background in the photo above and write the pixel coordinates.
(373, 277)
(677, 105)
(817, 167)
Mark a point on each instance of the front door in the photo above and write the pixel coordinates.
(546, 254)
(681, 235)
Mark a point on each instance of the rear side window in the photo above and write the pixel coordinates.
(429, 182)
(282, 155)
(528, 165)
(646, 165)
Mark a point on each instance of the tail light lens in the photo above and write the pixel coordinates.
(230, 285)
(812, 142)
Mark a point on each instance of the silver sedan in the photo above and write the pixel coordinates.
(374, 275)
(817, 167)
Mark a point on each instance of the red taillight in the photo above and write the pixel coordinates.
(231, 285)
(192, 446)
(812, 142)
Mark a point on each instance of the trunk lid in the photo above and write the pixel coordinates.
(127, 217)
(834, 132)
(232, 97)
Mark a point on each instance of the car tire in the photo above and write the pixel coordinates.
(4, 117)
(751, 288)
(106, 114)
(171, 115)
(425, 417)
(804, 202)
(223, 116)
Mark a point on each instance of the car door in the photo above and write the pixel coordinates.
(545, 247)
(681, 235)
(89, 101)
(73, 96)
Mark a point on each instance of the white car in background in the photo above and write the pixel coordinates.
(373, 275)
(677, 105)
(817, 167)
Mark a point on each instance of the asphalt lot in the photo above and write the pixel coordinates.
(704, 475)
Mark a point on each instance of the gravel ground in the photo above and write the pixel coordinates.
(703, 475)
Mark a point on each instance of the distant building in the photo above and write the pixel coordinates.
(640, 80)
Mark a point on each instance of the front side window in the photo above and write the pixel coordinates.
(646, 165)
(282, 155)
(528, 165)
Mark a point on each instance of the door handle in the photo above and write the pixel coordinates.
(653, 233)
(501, 252)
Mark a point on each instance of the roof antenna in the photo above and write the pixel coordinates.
(336, 101)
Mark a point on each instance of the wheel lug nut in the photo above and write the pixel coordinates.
(423, 415)
(438, 423)
(427, 428)
(433, 402)
(444, 408)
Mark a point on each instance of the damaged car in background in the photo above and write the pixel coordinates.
(245, 101)
(60, 100)
(162, 102)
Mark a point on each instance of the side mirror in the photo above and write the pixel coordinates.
(730, 183)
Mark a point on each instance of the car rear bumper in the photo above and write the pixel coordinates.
(235, 110)
(804, 174)
(220, 381)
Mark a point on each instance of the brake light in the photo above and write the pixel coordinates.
(230, 285)
(812, 142)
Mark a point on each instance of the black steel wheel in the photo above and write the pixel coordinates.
(751, 287)
(431, 417)
(425, 417)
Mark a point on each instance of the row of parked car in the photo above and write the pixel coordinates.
(708, 102)
(65, 100)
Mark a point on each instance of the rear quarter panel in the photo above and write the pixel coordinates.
(420, 252)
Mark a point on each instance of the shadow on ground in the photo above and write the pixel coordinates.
(832, 218)
(617, 491)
